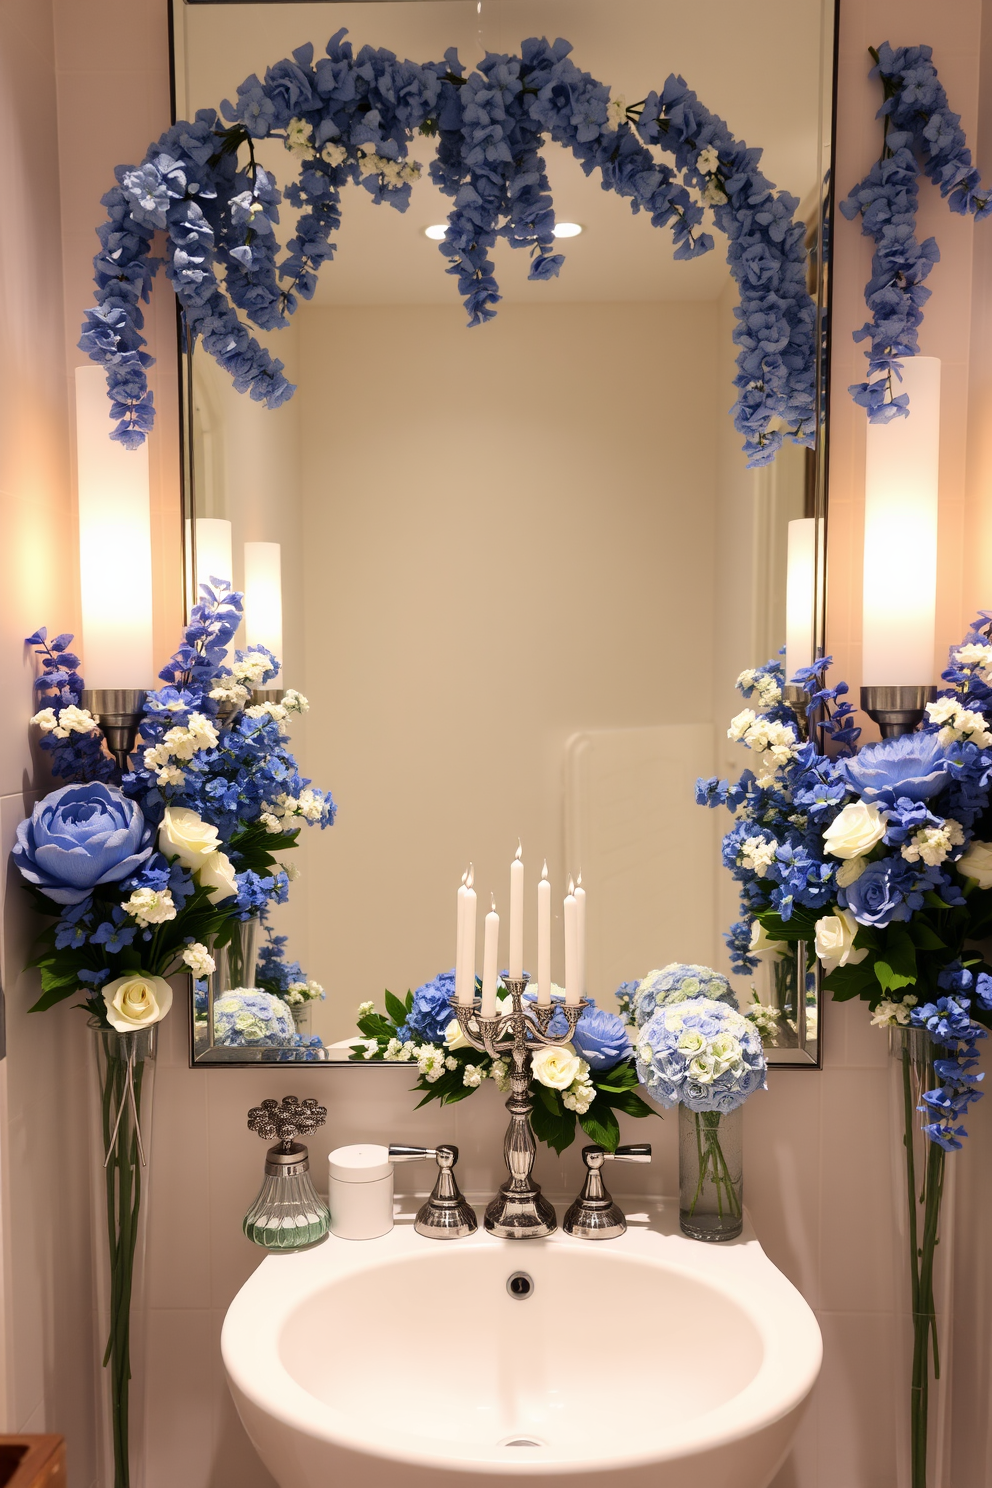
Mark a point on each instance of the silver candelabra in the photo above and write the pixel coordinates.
(519, 1211)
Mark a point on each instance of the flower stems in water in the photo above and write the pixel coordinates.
(713, 1166)
(922, 1252)
(123, 1194)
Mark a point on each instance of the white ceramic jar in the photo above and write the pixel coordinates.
(360, 1191)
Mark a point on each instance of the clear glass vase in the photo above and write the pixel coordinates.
(125, 1068)
(302, 1017)
(922, 1163)
(711, 1173)
(236, 961)
(288, 1213)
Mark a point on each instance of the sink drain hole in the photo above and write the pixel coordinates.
(520, 1286)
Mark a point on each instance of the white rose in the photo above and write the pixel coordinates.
(454, 1038)
(976, 863)
(762, 943)
(186, 836)
(216, 873)
(136, 1001)
(855, 831)
(556, 1065)
(835, 940)
(691, 1042)
(702, 1069)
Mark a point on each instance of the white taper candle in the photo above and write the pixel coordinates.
(490, 959)
(580, 935)
(571, 919)
(516, 963)
(544, 939)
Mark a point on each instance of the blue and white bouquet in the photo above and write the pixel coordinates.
(150, 872)
(586, 1081)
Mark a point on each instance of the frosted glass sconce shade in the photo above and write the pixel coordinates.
(115, 551)
(263, 596)
(900, 556)
(799, 595)
(214, 551)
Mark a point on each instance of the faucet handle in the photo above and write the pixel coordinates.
(446, 1215)
(594, 1215)
(638, 1152)
(445, 1154)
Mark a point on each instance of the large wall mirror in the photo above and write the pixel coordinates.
(522, 564)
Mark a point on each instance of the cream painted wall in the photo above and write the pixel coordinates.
(819, 1158)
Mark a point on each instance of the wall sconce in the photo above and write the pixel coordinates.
(115, 568)
(900, 556)
(214, 552)
(263, 605)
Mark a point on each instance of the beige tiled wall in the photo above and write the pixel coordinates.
(820, 1159)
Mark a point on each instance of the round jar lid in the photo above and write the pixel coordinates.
(363, 1163)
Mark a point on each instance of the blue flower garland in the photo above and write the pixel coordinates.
(351, 119)
(918, 125)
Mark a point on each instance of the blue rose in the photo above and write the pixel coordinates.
(913, 767)
(601, 1039)
(432, 1012)
(886, 891)
(82, 836)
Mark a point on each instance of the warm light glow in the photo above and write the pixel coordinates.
(567, 229)
(115, 548)
(900, 565)
(544, 870)
(263, 596)
(471, 876)
(800, 595)
(436, 232)
(520, 851)
(214, 556)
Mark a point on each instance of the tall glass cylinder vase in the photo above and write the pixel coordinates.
(920, 1170)
(125, 1069)
(711, 1173)
(236, 960)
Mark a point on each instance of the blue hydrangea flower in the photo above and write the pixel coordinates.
(701, 1054)
(676, 983)
(431, 1012)
(246, 1016)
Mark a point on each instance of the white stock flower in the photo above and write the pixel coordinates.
(976, 656)
(834, 940)
(765, 1017)
(292, 870)
(216, 874)
(199, 959)
(976, 863)
(430, 1062)
(150, 906)
(757, 854)
(397, 1052)
(275, 711)
(333, 153)
(556, 1065)
(68, 720)
(892, 1014)
(295, 702)
(616, 112)
(371, 1049)
(186, 836)
(227, 690)
(959, 723)
(741, 722)
(473, 1076)
(250, 669)
(500, 1072)
(365, 1007)
(932, 845)
(135, 1001)
(707, 161)
(580, 1095)
(298, 137)
(46, 720)
(855, 830)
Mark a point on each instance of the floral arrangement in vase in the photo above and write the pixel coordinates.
(146, 874)
(586, 1081)
(878, 860)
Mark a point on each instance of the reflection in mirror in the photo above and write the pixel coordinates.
(521, 564)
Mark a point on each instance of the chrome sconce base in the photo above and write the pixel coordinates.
(896, 710)
(118, 711)
(519, 1211)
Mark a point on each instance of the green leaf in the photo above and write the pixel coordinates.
(396, 1009)
(53, 996)
(601, 1125)
(846, 982)
(895, 967)
(552, 1124)
(408, 1005)
(631, 1104)
(923, 935)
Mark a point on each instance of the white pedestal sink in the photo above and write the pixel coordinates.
(652, 1361)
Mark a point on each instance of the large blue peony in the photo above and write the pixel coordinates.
(913, 767)
(600, 1038)
(82, 836)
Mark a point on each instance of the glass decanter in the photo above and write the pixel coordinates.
(288, 1213)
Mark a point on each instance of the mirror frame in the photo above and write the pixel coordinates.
(808, 1052)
